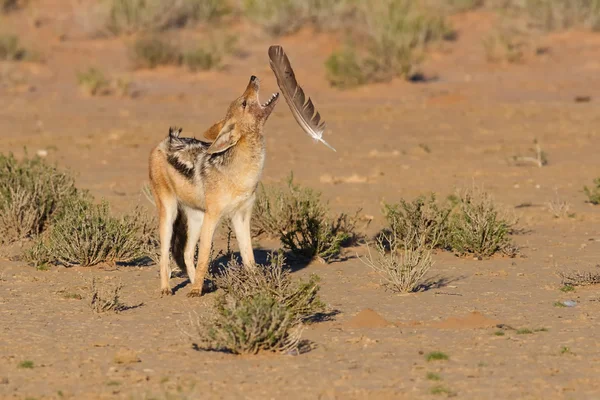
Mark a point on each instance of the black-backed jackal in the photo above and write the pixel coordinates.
(201, 182)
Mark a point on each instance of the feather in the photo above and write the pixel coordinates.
(303, 111)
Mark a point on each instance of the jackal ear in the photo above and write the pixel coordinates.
(228, 137)
(212, 132)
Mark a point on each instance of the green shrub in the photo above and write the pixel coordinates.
(593, 193)
(93, 82)
(565, 14)
(274, 280)
(86, 234)
(420, 223)
(282, 17)
(10, 50)
(479, 227)
(393, 34)
(301, 220)
(31, 193)
(250, 325)
(150, 52)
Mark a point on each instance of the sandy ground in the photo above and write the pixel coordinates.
(473, 118)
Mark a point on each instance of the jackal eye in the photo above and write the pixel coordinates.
(244, 104)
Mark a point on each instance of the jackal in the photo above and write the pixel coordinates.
(200, 182)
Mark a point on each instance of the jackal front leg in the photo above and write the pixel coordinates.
(206, 236)
(241, 226)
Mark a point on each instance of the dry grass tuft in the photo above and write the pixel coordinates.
(559, 208)
(106, 297)
(31, 193)
(401, 266)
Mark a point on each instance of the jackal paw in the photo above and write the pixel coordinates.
(195, 293)
(166, 292)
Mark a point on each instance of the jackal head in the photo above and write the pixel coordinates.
(245, 116)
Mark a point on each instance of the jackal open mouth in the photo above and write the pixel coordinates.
(274, 97)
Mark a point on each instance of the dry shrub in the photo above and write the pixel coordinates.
(250, 325)
(579, 278)
(283, 17)
(261, 309)
(273, 279)
(401, 265)
(129, 16)
(301, 220)
(31, 192)
(86, 234)
(479, 227)
(106, 297)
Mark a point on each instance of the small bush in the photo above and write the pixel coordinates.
(150, 52)
(344, 69)
(565, 14)
(593, 193)
(402, 268)
(559, 208)
(301, 220)
(211, 55)
(422, 222)
(8, 5)
(282, 17)
(27, 364)
(436, 356)
(250, 325)
(578, 278)
(394, 34)
(479, 227)
(86, 234)
(93, 82)
(10, 50)
(504, 46)
(31, 193)
(129, 16)
(106, 297)
(274, 280)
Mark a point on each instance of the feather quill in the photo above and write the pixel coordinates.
(303, 111)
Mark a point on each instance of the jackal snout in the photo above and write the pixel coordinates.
(247, 110)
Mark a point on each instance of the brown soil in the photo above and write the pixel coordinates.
(473, 119)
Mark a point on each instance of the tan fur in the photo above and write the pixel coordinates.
(219, 186)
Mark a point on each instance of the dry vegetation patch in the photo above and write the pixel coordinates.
(31, 193)
(302, 221)
(261, 309)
